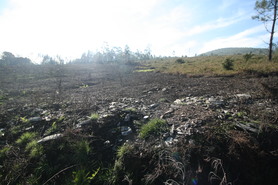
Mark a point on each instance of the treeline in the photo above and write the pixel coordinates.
(114, 55)
(105, 55)
(8, 59)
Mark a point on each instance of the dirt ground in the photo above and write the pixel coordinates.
(235, 107)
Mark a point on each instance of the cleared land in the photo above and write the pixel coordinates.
(71, 123)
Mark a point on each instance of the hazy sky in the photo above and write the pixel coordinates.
(70, 27)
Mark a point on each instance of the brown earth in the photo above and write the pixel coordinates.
(230, 122)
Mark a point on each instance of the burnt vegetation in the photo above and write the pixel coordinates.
(115, 119)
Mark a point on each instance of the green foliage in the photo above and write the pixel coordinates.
(15, 129)
(163, 100)
(24, 120)
(123, 150)
(52, 129)
(247, 56)
(180, 61)
(2, 98)
(26, 137)
(82, 150)
(4, 151)
(228, 64)
(153, 127)
(94, 116)
(60, 119)
(35, 150)
(81, 177)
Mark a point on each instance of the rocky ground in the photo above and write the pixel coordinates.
(220, 130)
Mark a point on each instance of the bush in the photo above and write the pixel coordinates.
(228, 64)
(180, 61)
(248, 56)
(123, 150)
(153, 127)
(35, 150)
(26, 137)
(81, 177)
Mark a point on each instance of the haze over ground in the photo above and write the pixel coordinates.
(177, 27)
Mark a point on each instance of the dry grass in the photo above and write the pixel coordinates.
(212, 65)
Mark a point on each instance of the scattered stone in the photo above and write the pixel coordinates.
(152, 106)
(107, 142)
(172, 130)
(169, 141)
(2, 132)
(246, 96)
(125, 130)
(127, 118)
(146, 117)
(164, 89)
(178, 102)
(215, 102)
(29, 128)
(35, 119)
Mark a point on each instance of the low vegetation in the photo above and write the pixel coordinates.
(154, 127)
(210, 131)
(216, 65)
(94, 116)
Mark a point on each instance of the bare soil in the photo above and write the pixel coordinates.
(230, 122)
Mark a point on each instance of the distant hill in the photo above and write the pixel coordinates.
(236, 51)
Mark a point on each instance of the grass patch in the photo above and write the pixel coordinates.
(123, 150)
(4, 151)
(94, 116)
(26, 137)
(35, 150)
(213, 65)
(153, 128)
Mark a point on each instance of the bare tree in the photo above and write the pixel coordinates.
(267, 12)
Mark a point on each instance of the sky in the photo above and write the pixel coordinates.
(68, 28)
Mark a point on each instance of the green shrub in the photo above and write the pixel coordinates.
(4, 151)
(154, 127)
(248, 56)
(228, 64)
(81, 177)
(24, 120)
(35, 150)
(82, 150)
(123, 150)
(94, 116)
(26, 137)
(180, 61)
(52, 129)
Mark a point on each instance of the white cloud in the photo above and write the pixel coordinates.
(226, 4)
(246, 38)
(216, 24)
(70, 27)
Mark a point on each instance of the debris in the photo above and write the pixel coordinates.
(49, 138)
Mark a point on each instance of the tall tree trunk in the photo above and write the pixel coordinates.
(272, 31)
